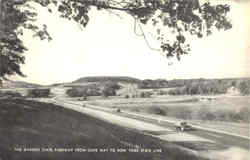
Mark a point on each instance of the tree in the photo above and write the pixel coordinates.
(39, 93)
(12, 22)
(110, 88)
(145, 95)
(77, 92)
(177, 17)
(10, 45)
(244, 87)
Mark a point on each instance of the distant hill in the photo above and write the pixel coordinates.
(107, 78)
(19, 84)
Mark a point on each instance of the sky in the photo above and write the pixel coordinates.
(109, 47)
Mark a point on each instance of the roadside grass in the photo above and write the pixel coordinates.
(141, 102)
(31, 124)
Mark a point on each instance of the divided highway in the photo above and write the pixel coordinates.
(156, 125)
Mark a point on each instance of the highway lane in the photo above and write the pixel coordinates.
(219, 138)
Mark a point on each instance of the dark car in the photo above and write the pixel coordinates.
(118, 110)
(183, 126)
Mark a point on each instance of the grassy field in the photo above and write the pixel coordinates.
(217, 102)
(167, 103)
(35, 130)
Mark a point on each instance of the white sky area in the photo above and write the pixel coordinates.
(109, 47)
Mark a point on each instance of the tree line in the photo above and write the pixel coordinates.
(106, 89)
(208, 87)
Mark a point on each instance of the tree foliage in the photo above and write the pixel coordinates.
(84, 91)
(201, 87)
(176, 17)
(109, 89)
(244, 87)
(39, 93)
(13, 20)
(148, 83)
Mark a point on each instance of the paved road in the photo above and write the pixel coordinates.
(157, 127)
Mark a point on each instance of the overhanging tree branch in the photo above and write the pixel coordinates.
(178, 16)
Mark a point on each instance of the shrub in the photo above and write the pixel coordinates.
(83, 91)
(106, 92)
(110, 89)
(145, 95)
(244, 87)
(10, 94)
(242, 115)
(161, 92)
(92, 91)
(158, 111)
(39, 93)
(74, 92)
(177, 91)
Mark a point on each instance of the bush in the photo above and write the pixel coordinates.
(83, 91)
(242, 115)
(176, 91)
(39, 93)
(106, 92)
(145, 95)
(74, 92)
(244, 87)
(158, 111)
(110, 89)
(161, 92)
(10, 94)
(92, 91)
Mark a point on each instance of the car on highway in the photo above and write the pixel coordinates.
(118, 110)
(82, 99)
(182, 126)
